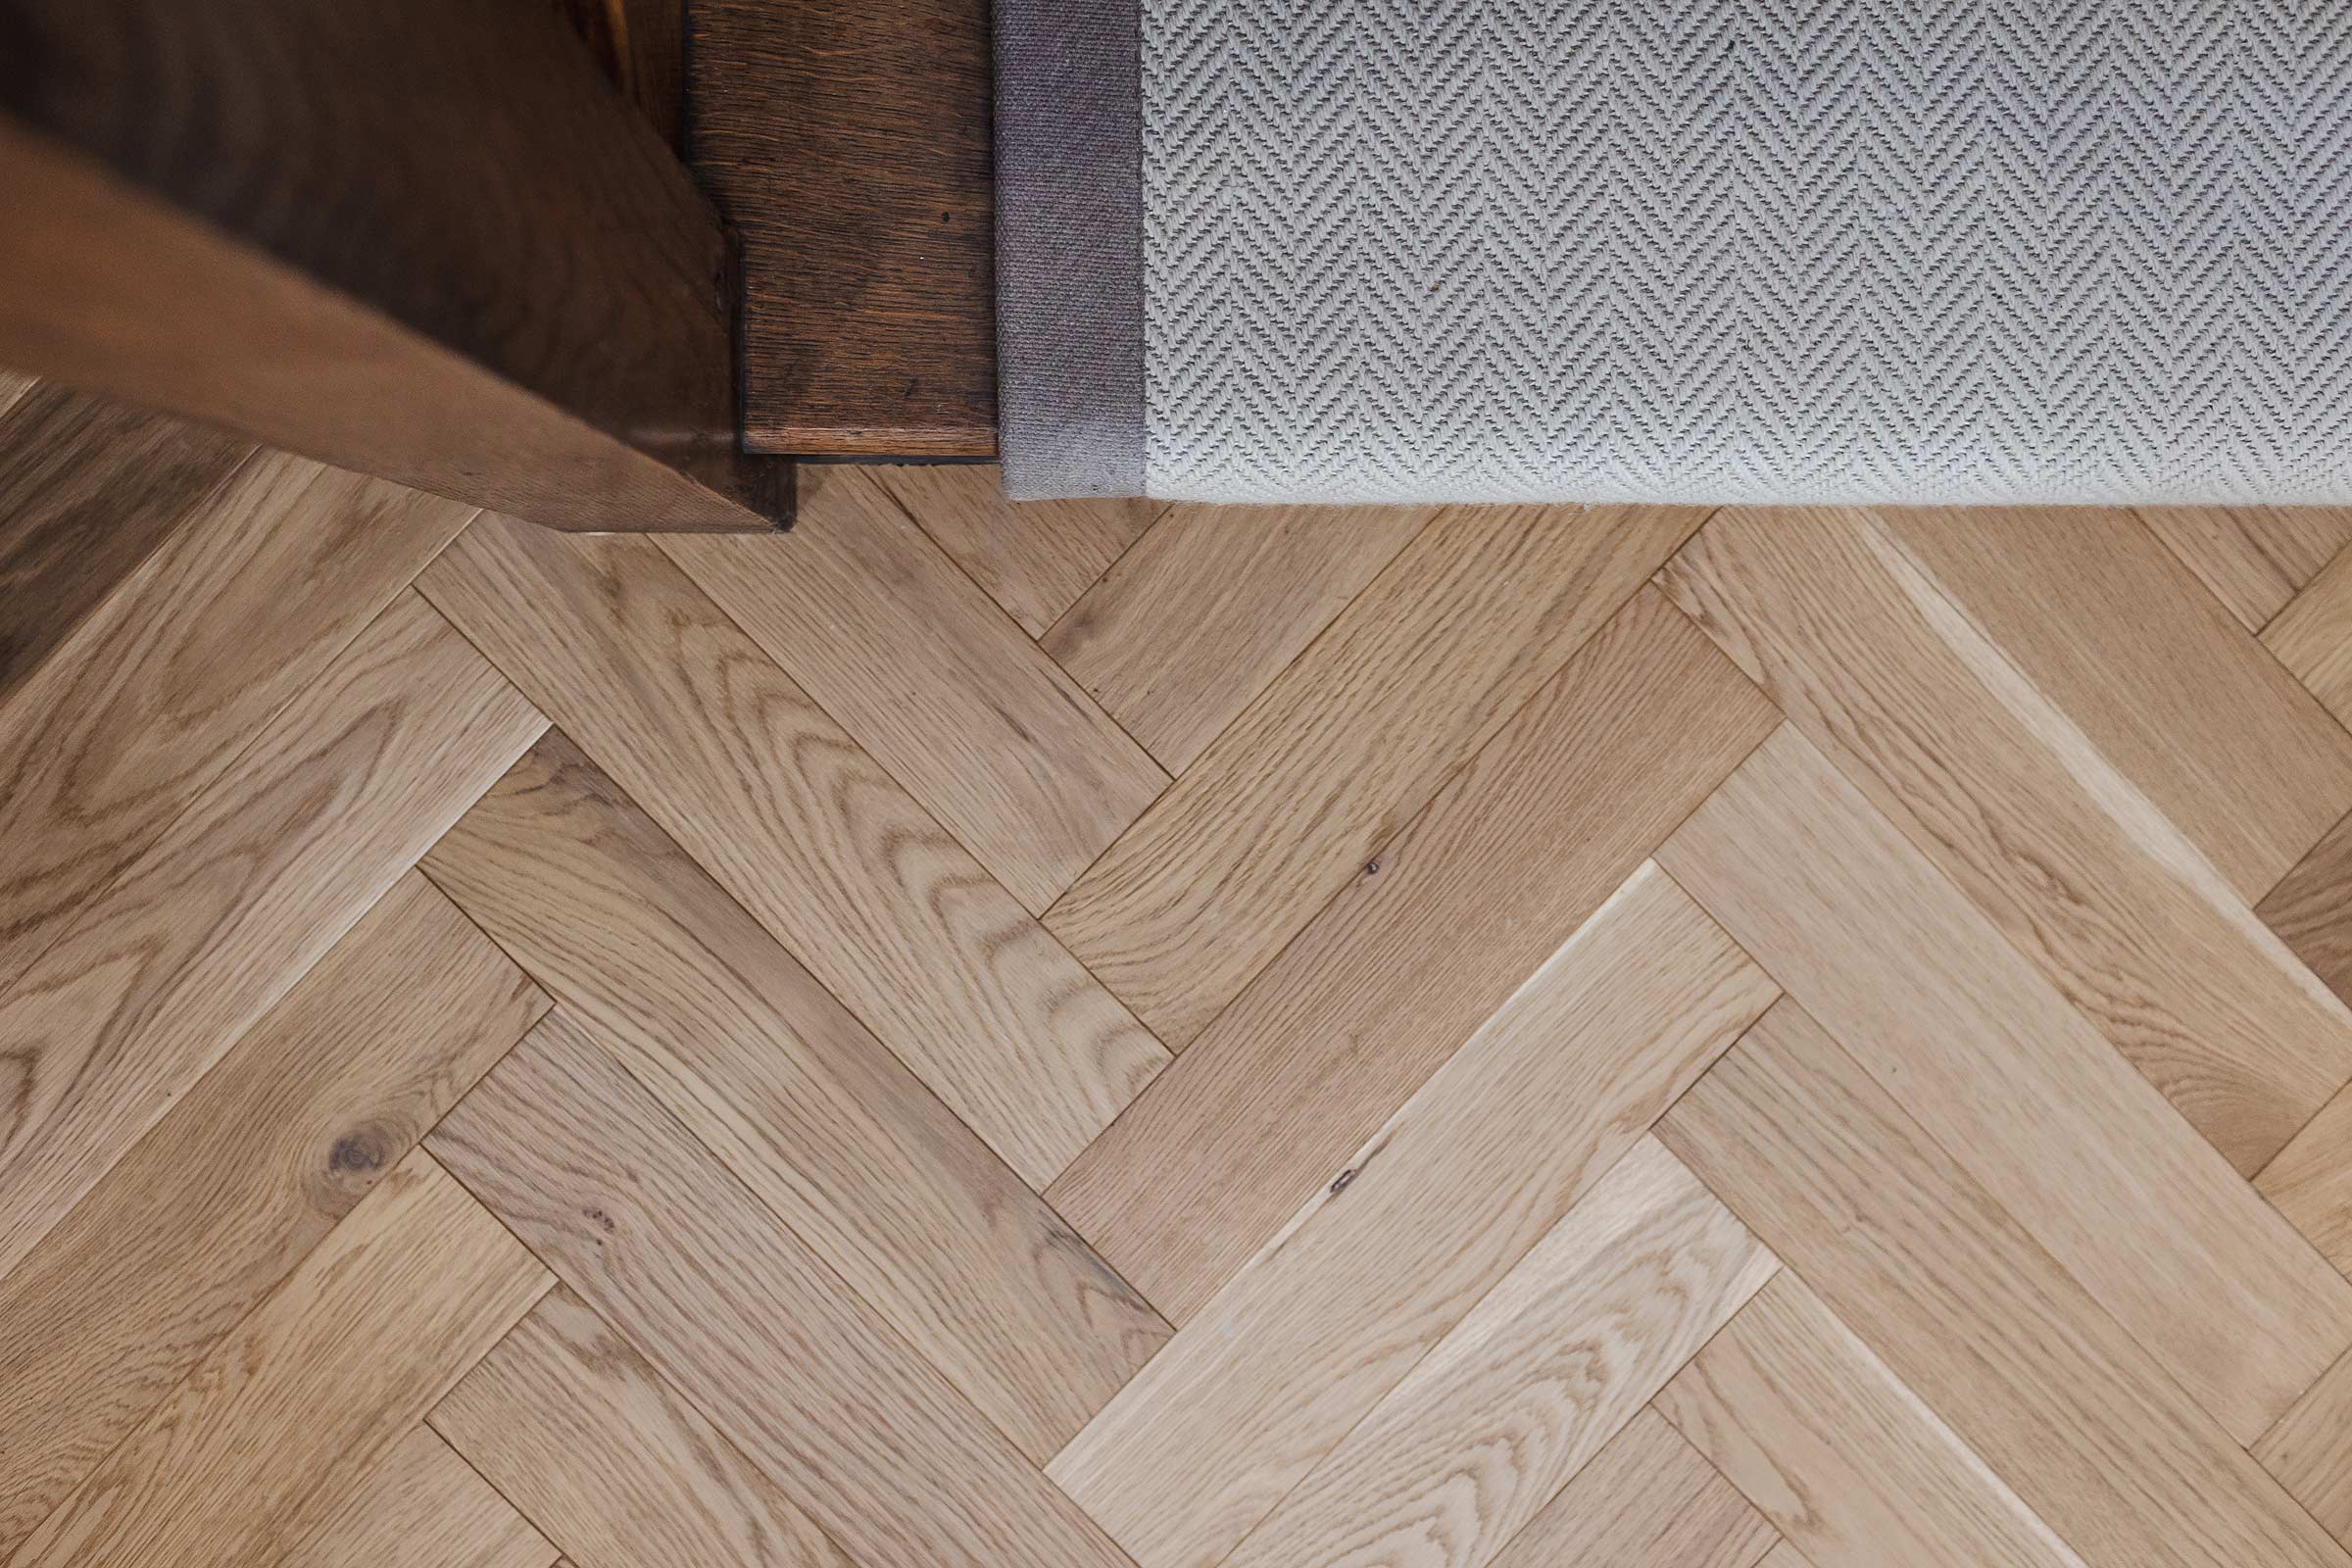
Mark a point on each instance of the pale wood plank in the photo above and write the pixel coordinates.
(832, 1132)
(424, 1507)
(1646, 1500)
(2310, 1450)
(88, 489)
(1839, 1455)
(148, 985)
(2313, 637)
(234, 1187)
(1406, 963)
(1847, 914)
(283, 1419)
(1924, 1265)
(871, 1443)
(1287, 805)
(1436, 1207)
(2012, 800)
(2114, 632)
(615, 1465)
(1783, 1555)
(1034, 557)
(2310, 1182)
(268, 579)
(2254, 559)
(1527, 1388)
(734, 761)
(1206, 611)
(2311, 909)
(994, 738)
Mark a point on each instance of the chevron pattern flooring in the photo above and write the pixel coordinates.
(1110, 1036)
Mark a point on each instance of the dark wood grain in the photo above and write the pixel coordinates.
(848, 140)
(642, 46)
(428, 241)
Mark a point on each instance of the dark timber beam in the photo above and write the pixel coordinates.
(426, 240)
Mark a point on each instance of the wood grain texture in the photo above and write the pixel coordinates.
(1853, 921)
(2254, 559)
(1646, 1500)
(1436, 1207)
(745, 1321)
(203, 932)
(1404, 964)
(1839, 1455)
(14, 384)
(1307, 785)
(2310, 1450)
(831, 1132)
(1544, 1372)
(2310, 1182)
(2012, 799)
(574, 1425)
(161, 687)
(264, 1441)
(240, 1180)
(734, 761)
(1184, 632)
(641, 45)
(990, 735)
(531, 309)
(2164, 684)
(2311, 909)
(1033, 558)
(422, 1507)
(2067, 1406)
(88, 489)
(2313, 637)
(850, 145)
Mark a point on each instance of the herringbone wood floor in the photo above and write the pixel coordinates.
(1110, 1034)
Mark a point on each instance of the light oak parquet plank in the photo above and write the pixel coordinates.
(828, 1128)
(1783, 1555)
(1002, 746)
(148, 985)
(237, 1184)
(2310, 1450)
(752, 778)
(1035, 559)
(1527, 1388)
(2310, 1182)
(1288, 805)
(1846, 913)
(2162, 683)
(2311, 909)
(1406, 963)
(88, 489)
(2313, 637)
(424, 1507)
(265, 1439)
(1436, 1207)
(871, 1443)
(1206, 611)
(587, 1439)
(1646, 1500)
(267, 577)
(2254, 559)
(1839, 1455)
(2010, 798)
(1924, 1265)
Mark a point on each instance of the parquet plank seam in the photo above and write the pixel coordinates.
(1927, 1134)
(467, 1459)
(2262, 632)
(1108, 567)
(839, 1285)
(260, 731)
(1438, 798)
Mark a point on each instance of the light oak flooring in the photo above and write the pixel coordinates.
(1115, 1036)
